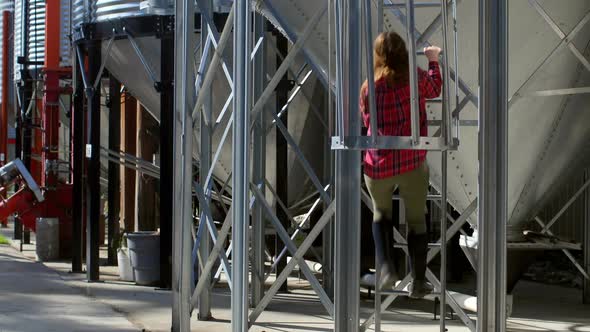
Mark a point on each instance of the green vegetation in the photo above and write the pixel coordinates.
(3, 240)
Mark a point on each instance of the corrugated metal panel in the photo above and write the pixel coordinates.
(110, 9)
(36, 33)
(570, 226)
(17, 36)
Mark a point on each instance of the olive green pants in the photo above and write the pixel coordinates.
(413, 188)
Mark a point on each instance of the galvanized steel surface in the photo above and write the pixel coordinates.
(546, 133)
(36, 34)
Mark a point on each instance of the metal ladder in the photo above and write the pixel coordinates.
(448, 139)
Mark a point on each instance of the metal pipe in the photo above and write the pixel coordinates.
(380, 14)
(414, 96)
(370, 69)
(93, 168)
(456, 117)
(77, 165)
(259, 166)
(447, 116)
(114, 168)
(443, 241)
(240, 163)
(348, 169)
(416, 5)
(205, 133)
(166, 158)
(281, 149)
(493, 166)
(184, 96)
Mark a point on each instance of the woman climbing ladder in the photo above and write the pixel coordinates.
(386, 170)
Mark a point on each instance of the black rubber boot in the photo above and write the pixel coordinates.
(418, 249)
(384, 255)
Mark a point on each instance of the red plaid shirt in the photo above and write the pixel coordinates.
(394, 119)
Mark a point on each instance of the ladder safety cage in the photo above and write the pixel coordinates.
(446, 138)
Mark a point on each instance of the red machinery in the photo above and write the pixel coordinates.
(53, 199)
(30, 202)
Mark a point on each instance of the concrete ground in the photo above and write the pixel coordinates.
(46, 297)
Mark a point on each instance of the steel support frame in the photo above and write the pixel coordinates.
(255, 113)
(184, 98)
(297, 258)
(493, 165)
(432, 253)
(347, 168)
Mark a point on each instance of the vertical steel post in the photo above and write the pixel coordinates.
(348, 170)
(77, 168)
(184, 99)
(414, 97)
(114, 168)
(380, 17)
(368, 34)
(6, 30)
(493, 166)
(328, 231)
(240, 162)
(259, 163)
(205, 162)
(282, 153)
(21, 148)
(166, 158)
(443, 237)
(93, 169)
(586, 296)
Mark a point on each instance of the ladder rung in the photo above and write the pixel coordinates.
(403, 245)
(402, 5)
(421, 52)
(400, 292)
